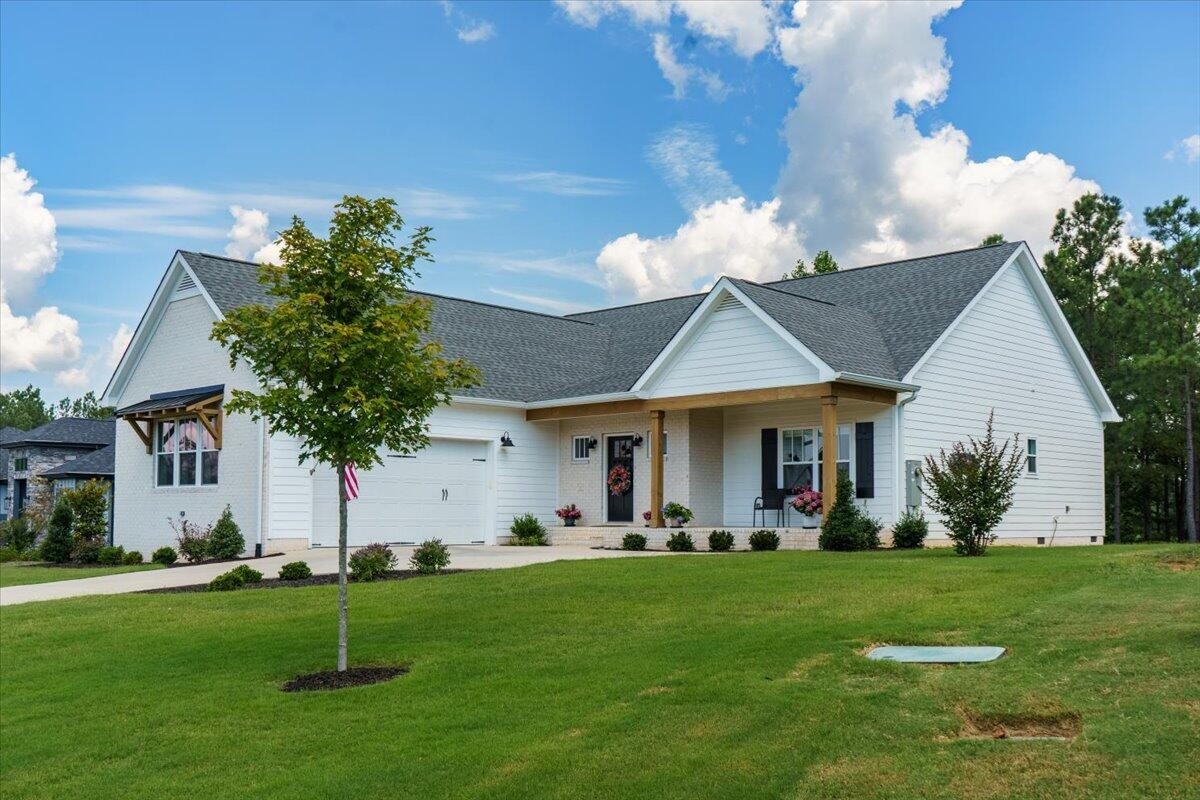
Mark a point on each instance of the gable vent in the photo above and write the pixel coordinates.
(185, 286)
(728, 302)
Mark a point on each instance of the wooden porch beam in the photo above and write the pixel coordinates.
(656, 468)
(147, 436)
(213, 430)
(740, 397)
(829, 454)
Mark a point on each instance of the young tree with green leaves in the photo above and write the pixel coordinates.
(823, 263)
(87, 407)
(24, 409)
(342, 355)
(993, 238)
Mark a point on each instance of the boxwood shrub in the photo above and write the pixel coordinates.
(764, 540)
(165, 556)
(633, 541)
(910, 530)
(432, 556)
(131, 558)
(110, 556)
(372, 562)
(720, 541)
(295, 571)
(680, 542)
(528, 530)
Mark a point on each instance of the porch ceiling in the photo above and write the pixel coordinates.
(716, 399)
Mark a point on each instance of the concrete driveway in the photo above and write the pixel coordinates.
(323, 560)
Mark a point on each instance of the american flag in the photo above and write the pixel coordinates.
(351, 482)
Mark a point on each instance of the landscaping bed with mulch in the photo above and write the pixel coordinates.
(315, 580)
(352, 676)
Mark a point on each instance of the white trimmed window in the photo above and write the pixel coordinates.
(800, 455)
(1031, 456)
(579, 448)
(650, 448)
(184, 454)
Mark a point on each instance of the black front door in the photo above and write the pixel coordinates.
(18, 498)
(620, 502)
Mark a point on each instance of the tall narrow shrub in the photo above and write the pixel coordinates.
(57, 545)
(225, 540)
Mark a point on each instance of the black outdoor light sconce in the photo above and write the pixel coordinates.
(637, 440)
(506, 440)
(592, 444)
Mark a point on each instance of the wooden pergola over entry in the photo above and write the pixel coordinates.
(203, 402)
(828, 392)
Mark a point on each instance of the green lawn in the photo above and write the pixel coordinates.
(13, 574)
(682, 677)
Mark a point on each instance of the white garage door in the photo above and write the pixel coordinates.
(440, 492)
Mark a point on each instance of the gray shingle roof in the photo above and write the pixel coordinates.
(68, 432)
(173, 399)
(94, 464)
(876, 321)
(6, 434)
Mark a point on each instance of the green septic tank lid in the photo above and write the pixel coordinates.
(935, 655)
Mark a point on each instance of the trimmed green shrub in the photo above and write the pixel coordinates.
(295, 571)
(528, 530)
(165, 556)
(8, 554)
(227, 582)
(110, 556)
(680, 542)
(86, 553)
(131, 558)
(89, 506)
(764, 540)
(248, 573)
(56, 547)
(225, 540)
(910, 530)
(847, 527)
(633, 541)
(372, 562)
(17, 534)
(720, 541)
(432, 556)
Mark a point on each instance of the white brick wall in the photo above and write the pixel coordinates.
(180, 355)
(706, 465)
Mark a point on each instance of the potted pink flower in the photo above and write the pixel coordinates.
(568, 514)
(808, 502)
(646, 515)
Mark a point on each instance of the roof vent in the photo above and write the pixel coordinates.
(185, 287)
(728, 302)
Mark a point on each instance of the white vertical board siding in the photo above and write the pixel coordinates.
(289, 490)
(523, 478)
(743, 452)
(179, 355)
(733, 349)
(1004, 355)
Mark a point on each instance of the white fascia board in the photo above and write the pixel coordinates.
(859, 379)
(591, 398)
(706, 307)
(464, 400)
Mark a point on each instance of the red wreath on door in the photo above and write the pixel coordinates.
(619, 480)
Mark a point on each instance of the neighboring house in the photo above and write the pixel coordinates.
(5, 434)
(62, 451)
(742, 385)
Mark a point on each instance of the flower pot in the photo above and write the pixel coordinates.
(570, 523)
(810, 520)
(676, 523)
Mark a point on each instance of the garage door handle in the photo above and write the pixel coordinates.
(445, 495)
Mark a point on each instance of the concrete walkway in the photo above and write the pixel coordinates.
(323, 560)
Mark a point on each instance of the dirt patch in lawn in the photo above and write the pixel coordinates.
(1180, 562)
(315, 580)
(1062, 725)
(332, 679)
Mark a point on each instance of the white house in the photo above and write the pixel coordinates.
(721, 401)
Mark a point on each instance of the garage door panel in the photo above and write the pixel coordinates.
(440, 492)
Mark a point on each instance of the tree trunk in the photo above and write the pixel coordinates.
(1190, 469)
(1117, 506)
(341, 655)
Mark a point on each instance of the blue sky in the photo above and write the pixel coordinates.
(568, 155)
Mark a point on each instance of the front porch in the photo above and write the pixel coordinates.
(717, 454)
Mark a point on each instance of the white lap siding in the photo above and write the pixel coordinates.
(180, 356)
(743, 453)
(1004, 356)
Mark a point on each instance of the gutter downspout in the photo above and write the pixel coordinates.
(901, 472)
(262, 461)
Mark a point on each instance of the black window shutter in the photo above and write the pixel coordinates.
(770, 460)
(864, 459)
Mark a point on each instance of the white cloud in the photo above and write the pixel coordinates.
(47, 339)
(567, 184)
(28, 247)
(728, 237)
(117, 343)
(540, 302)
(1187, 148)
(469, 29)
(744, 25)
(249, 232)
(686, 156)
(679, 75)
(74, 379)
(570, 267)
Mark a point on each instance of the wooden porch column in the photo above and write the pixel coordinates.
(829, 454)
(656, 468)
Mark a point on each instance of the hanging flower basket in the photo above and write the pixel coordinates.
(619, 480)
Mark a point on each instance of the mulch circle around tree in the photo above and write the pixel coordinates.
(315, 580)
(332, 679)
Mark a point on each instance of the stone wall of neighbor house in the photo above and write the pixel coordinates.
(40, 459)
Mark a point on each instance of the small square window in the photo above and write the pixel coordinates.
(650, 449)
(1031, 456)
(579, 448)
